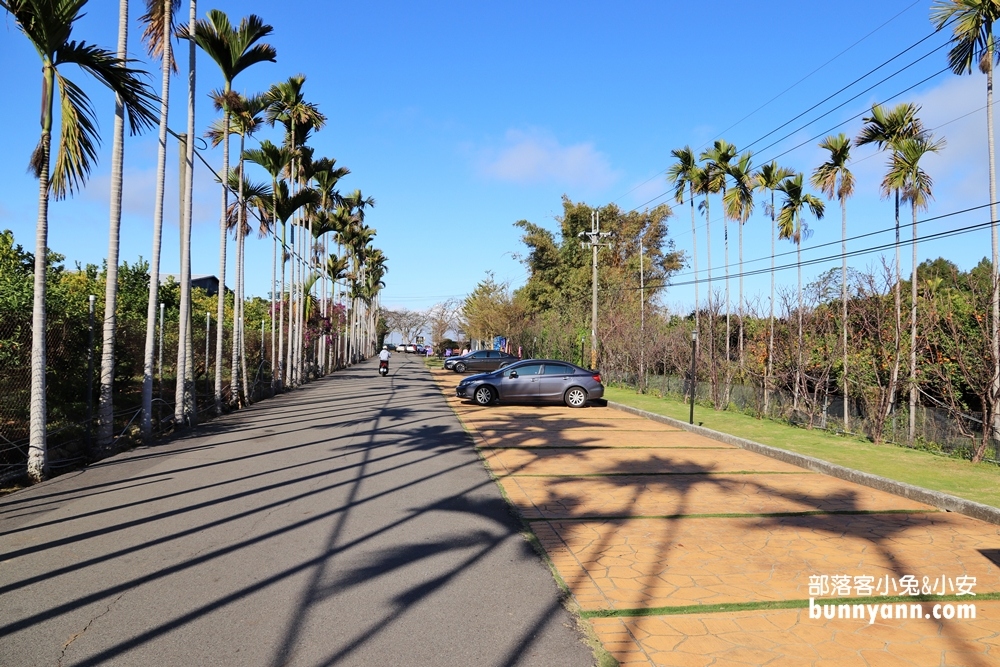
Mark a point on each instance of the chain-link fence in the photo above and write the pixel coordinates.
(935, 428)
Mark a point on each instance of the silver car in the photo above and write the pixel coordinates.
(534, 381)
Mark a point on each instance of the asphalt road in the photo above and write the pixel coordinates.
(346, 523)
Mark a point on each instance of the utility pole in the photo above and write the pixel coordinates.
(595, 235)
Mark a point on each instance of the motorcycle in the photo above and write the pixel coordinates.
(383, 367)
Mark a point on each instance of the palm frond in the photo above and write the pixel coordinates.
(47, 25)
(78, 139)
(135, 94)
(159, 28)
(233, 50)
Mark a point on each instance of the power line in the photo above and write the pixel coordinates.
(849, 238)
(903, 11)
(858, 80)
(853, 162)
(893, 18)
(828, 258)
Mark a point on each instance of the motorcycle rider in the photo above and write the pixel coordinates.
(383, 356)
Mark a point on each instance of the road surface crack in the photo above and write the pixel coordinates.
(76, 635)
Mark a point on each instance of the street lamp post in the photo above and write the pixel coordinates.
(694, 372)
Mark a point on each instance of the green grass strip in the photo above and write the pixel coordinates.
(663, 474)
(593, 447)
(778, 604)
(979, 482)
(727, 515)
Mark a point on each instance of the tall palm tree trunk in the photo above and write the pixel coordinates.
(282, 367)
(725, 236)
(798, 367)
(843, 314)
(237, 398)
(154, 269)
(38, 459)
(274, 289)
(288, 323)
(105, 411)
(309, 245)
(913, 335)
(694, 259)
(711, 311)
(185, 403)
(995, 294)
(894, 379)
(769, 371)
(220, 311)
(739, 312)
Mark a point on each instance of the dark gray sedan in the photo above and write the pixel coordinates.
(479, 361)
(534, 381)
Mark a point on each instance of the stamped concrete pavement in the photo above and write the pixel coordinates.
(682, 550)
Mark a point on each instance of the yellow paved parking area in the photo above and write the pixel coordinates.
(682, 550)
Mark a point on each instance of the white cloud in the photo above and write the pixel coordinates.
(536, 157)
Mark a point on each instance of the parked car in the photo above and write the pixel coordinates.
(400, 348)
(410, 348)
(479, 361)
(534, 381)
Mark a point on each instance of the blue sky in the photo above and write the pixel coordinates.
(462, 118)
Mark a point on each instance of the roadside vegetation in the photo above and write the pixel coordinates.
(146, 370)
(930, 470)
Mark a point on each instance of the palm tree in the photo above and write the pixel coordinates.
(233, 50)
(769, 178)
(326, 176)
(717, 161)
(336, 268)
(105, 409)
(185, 403)
(972, 35)
(833, 178)
(159, 20)
(274, 160)
(244, 120)
(287, 105)
(739, 206)
(907, 177)
(885, 129)
(283, 207)
(790, 226)
(48, 25)
(683, 174)
(252, 196)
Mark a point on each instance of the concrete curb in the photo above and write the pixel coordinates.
(940, 500)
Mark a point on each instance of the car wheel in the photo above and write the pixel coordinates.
(483, 395)
(501, 366)
(460, 367)
(575, 397)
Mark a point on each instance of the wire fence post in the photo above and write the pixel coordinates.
(90, 371)
(208, 332)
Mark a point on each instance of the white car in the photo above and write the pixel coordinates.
(400, 348)
(411, 348)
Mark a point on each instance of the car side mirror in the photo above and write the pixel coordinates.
(513, 374)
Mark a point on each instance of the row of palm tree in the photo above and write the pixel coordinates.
(719, 171)
(897, 130)
(302, 195)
